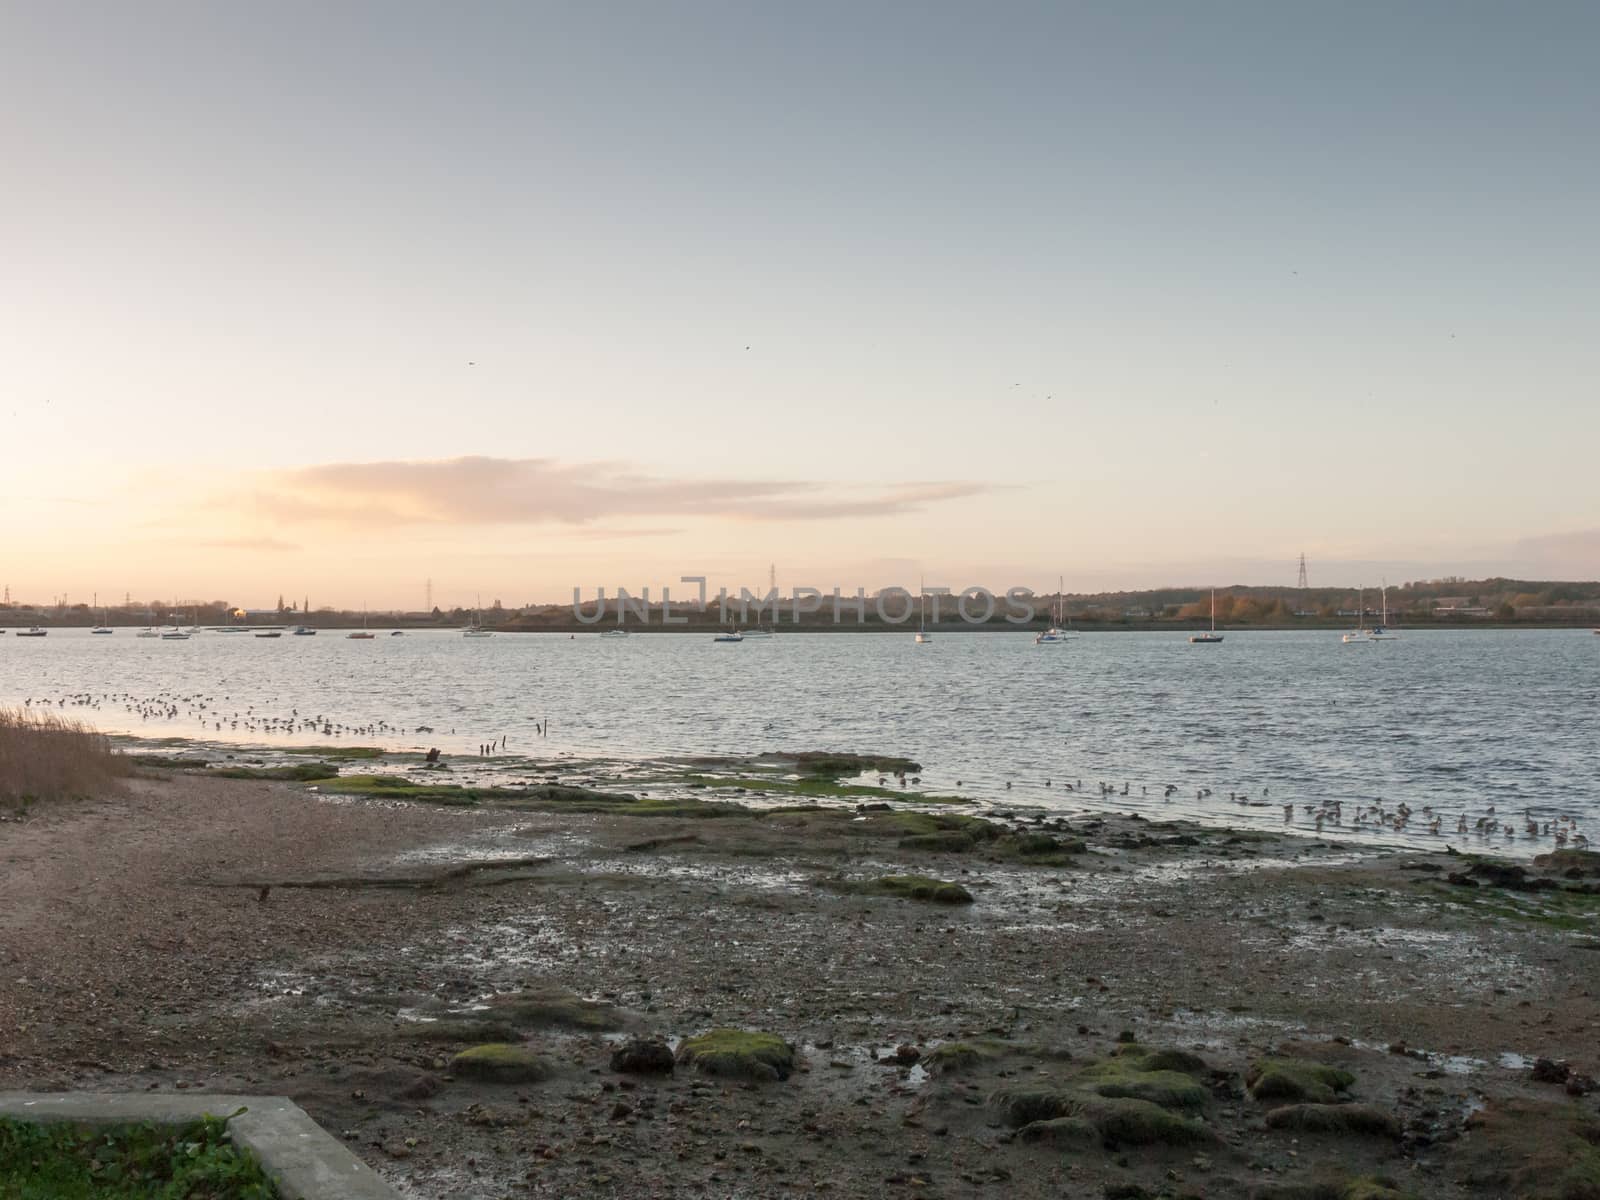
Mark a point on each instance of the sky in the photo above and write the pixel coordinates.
(337, 299)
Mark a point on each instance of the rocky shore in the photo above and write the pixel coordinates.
(495, 998)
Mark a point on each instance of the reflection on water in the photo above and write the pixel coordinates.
(1454, 720)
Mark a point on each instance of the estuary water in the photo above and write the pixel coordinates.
(1455, 721)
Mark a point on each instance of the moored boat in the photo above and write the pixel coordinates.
(1203, 639)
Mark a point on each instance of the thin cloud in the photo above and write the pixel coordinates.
(480, 490)
(1566, 551)
(249, 543)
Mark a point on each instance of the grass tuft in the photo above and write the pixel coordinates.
(46, 757)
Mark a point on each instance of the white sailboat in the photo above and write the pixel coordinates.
(766, 631)
(1056, 635)
(613, 633)
(1360, 635)
(923, 636)
(1199, 639)
(476, 629)
(149, 630)
(102, 628)
(1381, 631)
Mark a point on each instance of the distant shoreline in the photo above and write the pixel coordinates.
(941, 627)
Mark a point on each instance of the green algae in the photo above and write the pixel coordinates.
(168, 762)
(548, 797)
(298, 772)
(738, 1054)
(905, 887)
(1561, 909)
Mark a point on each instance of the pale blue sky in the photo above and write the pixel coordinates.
(1160, 292)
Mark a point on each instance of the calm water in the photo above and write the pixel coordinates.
(1458, 720)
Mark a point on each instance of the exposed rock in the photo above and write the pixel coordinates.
(1334, 1118)
(643, 1056)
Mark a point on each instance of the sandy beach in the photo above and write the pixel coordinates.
(238, 936)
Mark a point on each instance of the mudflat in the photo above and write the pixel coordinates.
(488, 1001)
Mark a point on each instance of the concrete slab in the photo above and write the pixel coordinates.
(303, 1160)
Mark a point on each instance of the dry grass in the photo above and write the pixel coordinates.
(45, 757)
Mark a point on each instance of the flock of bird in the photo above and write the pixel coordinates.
(220, 713)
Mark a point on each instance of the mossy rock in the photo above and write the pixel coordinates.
(500, 1062)
(902, 824)
(827, 762)
(1067, 1133)
(1164, 1077)
(1364, 1187)
(542, 1008)
(463, 1030)
(948, 841)
(1587, 861)
(1041, 848)
(738, 1054)
(921, 887)
(955, 1058)
(1019, 1106)
(1371, 1187)
(1164, 1060)
(1334, 1118)
(1296, 1080)
(1120, 1121)
(1169, 1089)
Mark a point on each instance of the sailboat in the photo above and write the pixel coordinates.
(1381, 631)
(175, 634)
(923, 636)
(149, 630)
(361, 635)
(1359, 635)
(1213, 636)
(102, 628)
(766, 631)
(1056, 635)
(476, 629)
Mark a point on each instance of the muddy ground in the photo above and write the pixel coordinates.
(239, 936)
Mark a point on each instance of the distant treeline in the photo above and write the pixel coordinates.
(1451, 601)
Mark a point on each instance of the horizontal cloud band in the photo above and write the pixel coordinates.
(480, 490)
